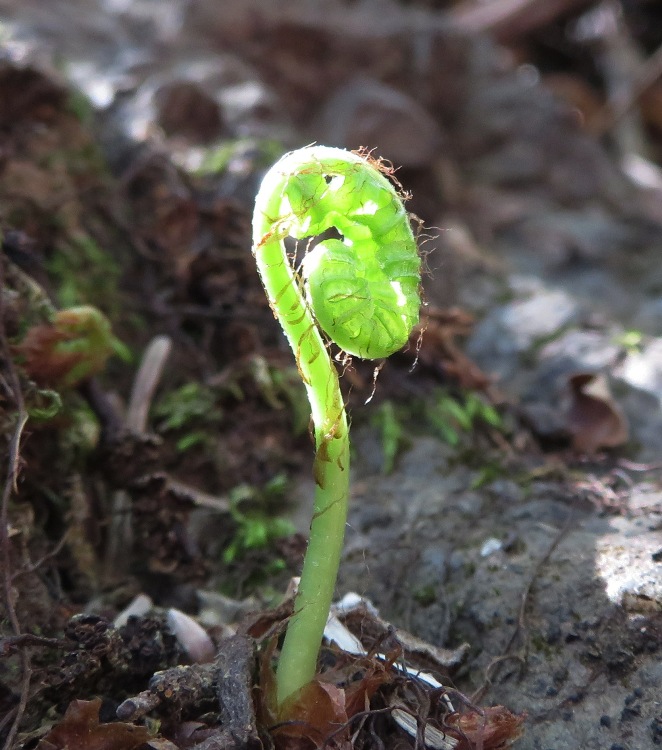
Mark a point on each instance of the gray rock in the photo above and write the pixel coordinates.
(370, 114)
(644, 414)
(545, 420)
(574, 351)
(649, 317)
(643, 369)
(626, 562)
(511, 330)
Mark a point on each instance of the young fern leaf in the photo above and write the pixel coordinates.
(362, 290)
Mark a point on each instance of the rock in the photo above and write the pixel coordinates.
(644, 416)
(538, 318)
(367, 113)
(573, 351)
(649, 317)
(625, 561)
(545, 420)
(185, 109)
(509, 331)
(567, 236)
(643, 369)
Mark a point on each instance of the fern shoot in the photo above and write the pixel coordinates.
(360, 289)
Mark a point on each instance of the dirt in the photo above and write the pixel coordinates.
(522, 536)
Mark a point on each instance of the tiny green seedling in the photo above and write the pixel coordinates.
(256, 527)
(191, 410)
(452, 416)
(360, 289)
(391, 435)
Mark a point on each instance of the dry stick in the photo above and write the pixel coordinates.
(478, 695)
(649, 73)
(508, 20)
(218, 503)
(120, 538)
(146, 381)
(9, 487)
(44, 558)
(632, 466)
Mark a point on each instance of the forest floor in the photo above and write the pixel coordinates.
(506, 509)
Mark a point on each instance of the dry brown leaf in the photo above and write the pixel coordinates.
(593, 417)
(80, 730)
(434, 343)
(315, 713)
(322, 709)
(493, 728)
(577, 93)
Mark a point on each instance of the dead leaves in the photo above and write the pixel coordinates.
(322, 711)
(319, 711)
(434, 344)
(357, 691)
(593, 417)
(493, 728)
(80, 729)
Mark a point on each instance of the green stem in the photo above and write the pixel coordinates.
(298, 660)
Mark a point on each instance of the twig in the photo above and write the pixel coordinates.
(219, 503)
(632, 466)
(49, 555)
(146, 380)
(521, 619)
(613, 111)
(509, 20)
(10, 487)
(28, 640)
(120, 537)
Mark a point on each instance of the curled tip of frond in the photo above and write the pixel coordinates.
(385, 167)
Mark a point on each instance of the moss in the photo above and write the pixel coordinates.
(425, 595)
(84, 273)
(218, 157)
(80, 107)
(540, 644)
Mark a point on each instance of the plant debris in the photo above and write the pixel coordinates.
(81, 728)
(593, 417)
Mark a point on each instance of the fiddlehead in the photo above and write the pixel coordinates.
(362, 290)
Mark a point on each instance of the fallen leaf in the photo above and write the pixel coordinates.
(322, 709)
(593, 417)
(433, 342)
(493, 728)
(80, 730)
(315, 713)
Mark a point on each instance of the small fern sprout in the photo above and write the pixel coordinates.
(359, 289)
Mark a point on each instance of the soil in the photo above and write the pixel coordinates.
(506, 503)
